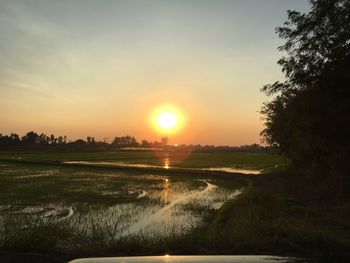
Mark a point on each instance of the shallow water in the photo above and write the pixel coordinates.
(163, 212)
(233, 170)
(191, 259)
(167, 166)
(118, 203)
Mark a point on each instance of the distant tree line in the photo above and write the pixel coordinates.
(31, 138)
(35, 141)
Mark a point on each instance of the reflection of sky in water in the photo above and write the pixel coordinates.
(165, 192)
(173, 213)
(173, 210)
(167, 165)
(151, 204)
(202, 259)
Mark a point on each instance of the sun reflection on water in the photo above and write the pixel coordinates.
(165, 193)
(166, 163)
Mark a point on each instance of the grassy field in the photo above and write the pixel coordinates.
(276, 213)
(74, 210)
(255, 161)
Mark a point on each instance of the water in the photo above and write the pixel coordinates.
(117, 203)
(233, 170)
(190, 259)
(166, 165)
(173, 210)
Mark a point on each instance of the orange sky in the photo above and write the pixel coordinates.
(100, 68)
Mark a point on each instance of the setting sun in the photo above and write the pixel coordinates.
(167, 120)
(178, 131)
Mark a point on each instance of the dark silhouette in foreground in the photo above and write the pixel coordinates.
(309, 118)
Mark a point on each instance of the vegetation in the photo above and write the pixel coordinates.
(244, 160)
(308, 118)
(36, 200)
(280, 213)
(269, 217)
(33, 141)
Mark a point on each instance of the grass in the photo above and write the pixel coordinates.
(261, 221)
(259, 161)
(258, 222)
(275, 214)
(43, 187)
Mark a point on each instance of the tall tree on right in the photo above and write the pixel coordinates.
(308, 117)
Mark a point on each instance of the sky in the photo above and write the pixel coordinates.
(102, 68)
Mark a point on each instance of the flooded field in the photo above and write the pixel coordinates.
(126, 202)
(234, 162)
(110, 203)
(166, 165)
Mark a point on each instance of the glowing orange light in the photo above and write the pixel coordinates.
(167, 120)
(166, 164)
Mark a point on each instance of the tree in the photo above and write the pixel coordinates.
(79, 142)
(125, 141)
(164, 141)
(308, 119)
(14, 137)
(52, 139)
(145, 144)
(31, 138)
(43, 139)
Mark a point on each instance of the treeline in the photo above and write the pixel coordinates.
(308, 116)
(35, 141)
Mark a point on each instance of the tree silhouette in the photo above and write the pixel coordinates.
(52, 139)
(14, 137)
(31, 138)
(309, 117)
(164, 141)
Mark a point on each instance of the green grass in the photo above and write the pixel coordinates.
(31, 184)
(271, 216)
(258, 222)
(258, 161)
(91, 231)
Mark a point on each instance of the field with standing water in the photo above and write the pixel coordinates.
(71, 202)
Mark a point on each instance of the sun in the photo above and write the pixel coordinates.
(167, 120)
